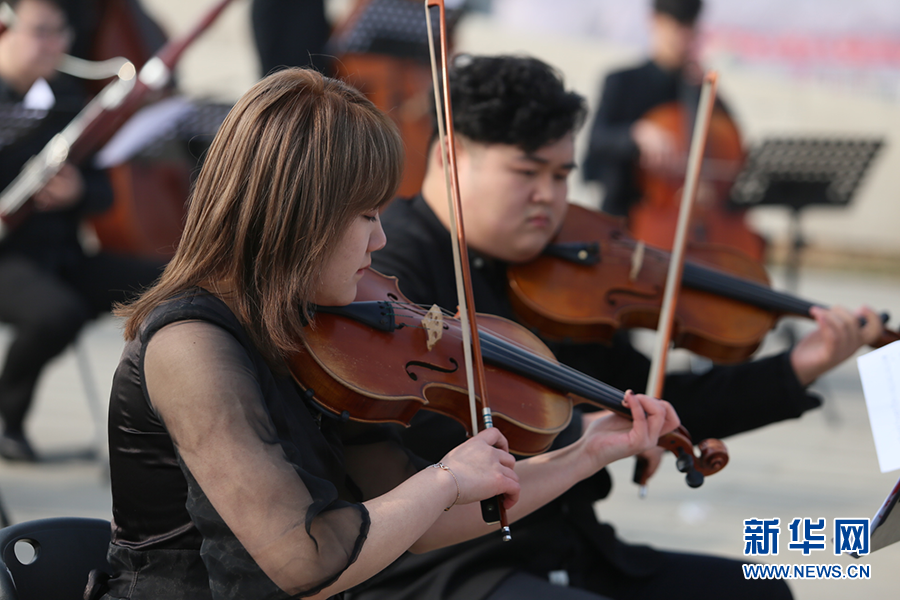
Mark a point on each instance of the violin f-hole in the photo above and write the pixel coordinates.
(431, 367)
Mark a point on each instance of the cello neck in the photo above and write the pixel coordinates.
(714, 281)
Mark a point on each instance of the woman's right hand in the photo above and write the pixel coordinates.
(484, 468)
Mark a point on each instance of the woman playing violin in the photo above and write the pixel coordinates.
(515, 124)
(227, 481)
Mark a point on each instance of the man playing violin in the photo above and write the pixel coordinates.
(51, 287)
(515, 126)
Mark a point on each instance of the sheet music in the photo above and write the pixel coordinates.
(148, 124)
(879, 371)
(39, 96)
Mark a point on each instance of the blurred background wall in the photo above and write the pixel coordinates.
(786, 68)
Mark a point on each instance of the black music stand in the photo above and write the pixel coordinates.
(392, 27)
(17, 121)
(886, 522)
(801, 172)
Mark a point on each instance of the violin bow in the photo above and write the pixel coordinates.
(676, 262)
(676, 268)
(492, 510)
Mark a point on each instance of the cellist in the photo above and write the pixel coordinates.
(515, 123)
(628, 146)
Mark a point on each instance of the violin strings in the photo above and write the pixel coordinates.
(512, 354)
(743, 290)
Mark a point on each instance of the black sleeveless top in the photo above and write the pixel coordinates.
(168, 539)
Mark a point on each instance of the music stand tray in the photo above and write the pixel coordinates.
(17, 121)
(799, 172)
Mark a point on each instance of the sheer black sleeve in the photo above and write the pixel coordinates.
(262, 516)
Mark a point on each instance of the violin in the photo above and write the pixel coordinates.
(712, 221)
(593, 278)
(382, 358)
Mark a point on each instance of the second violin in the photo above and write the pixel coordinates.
(594, 278)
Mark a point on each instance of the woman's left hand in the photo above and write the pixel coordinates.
(610, 437)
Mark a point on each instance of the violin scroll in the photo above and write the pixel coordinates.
(713, 456)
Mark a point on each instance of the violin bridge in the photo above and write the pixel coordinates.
(433, 323)
(637, 260)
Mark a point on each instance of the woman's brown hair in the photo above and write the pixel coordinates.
(297, 158)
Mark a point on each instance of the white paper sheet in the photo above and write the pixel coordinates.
(148, 124)
(879, 371)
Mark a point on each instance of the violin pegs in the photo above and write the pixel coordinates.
(685, 462)
(694, 478)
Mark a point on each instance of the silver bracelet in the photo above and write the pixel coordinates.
(441, 465)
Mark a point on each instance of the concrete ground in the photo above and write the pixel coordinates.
(822, 465)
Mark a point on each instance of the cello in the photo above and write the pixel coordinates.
(391, 69)
(149, 195)
(713, 221)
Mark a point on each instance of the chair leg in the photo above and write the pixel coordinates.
(93, 397)
(4, 518)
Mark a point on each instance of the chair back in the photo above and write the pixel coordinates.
(59, 553)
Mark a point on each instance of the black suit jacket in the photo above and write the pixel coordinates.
(627, 96)
(51, 238)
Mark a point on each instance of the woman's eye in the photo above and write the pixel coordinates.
(372, 217)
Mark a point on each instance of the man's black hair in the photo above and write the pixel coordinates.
(683, 11)
(512, 100)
